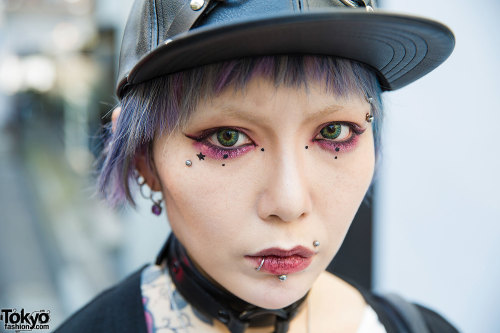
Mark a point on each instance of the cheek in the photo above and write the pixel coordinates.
(205, 202)
(341, 190)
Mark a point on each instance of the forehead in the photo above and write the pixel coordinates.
(261, 100)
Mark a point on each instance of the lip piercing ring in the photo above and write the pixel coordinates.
(260, 266)
(282, 277)
(316, 243)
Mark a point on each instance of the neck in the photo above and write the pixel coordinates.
(216, 302)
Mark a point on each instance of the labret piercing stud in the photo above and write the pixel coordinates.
(282, 277)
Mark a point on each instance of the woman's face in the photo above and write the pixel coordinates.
(273, 170)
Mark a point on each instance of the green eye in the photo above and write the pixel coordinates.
(331, 131)
(227, 137)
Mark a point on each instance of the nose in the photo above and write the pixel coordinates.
(286, 196)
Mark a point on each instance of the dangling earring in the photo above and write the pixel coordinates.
(156, 208)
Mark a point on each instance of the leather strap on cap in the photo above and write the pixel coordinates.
(187, 17)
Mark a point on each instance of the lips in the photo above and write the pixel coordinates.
(278, 261)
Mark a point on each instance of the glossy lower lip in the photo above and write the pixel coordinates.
(278, 261)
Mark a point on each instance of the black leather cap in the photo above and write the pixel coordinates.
(166, 36)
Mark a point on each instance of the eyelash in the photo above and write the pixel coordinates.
(345, 145)
(219, 153)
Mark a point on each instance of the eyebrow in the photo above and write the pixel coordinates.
(230, 111)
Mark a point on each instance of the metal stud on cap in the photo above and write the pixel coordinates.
(197, 4)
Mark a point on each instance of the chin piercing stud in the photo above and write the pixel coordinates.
(282, 277)
(260, 266)
(316, 243)
(189, 163)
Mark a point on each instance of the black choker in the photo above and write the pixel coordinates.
(232, 311)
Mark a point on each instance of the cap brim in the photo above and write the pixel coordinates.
(400, 48)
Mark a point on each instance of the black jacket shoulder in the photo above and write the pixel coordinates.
(118, 309)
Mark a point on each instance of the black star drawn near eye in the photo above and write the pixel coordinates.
(201, 156)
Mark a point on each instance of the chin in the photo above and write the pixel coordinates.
(274, 294)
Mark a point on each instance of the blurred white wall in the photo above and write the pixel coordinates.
(437, 224)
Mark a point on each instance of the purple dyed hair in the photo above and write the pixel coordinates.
(159, 106)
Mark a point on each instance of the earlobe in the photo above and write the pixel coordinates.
(114, 117)
(145, 169)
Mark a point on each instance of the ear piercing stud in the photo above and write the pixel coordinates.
(282, 277)
(316, 243)
(189, 163)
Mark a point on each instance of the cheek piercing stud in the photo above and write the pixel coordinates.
(189, 163)
(260, 266)
(282, 277)
(316, 243)
(369, 118)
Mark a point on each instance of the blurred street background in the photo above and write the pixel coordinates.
(436, 207)
(59, 243)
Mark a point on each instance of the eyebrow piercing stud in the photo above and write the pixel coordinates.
(282, 277)
(261, 264)
(369, 116)
(189, 163)
(316, 243)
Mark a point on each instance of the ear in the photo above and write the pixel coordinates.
(147, 170)
(114, 117)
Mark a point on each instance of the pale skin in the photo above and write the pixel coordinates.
(283, 197)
